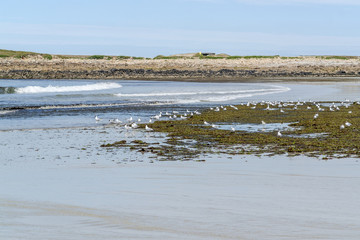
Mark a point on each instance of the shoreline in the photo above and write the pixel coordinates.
(199, 70)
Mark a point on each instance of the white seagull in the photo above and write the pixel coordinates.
(148, 128)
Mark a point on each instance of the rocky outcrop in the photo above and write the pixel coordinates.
(191, 69)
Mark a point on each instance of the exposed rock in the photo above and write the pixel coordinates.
(177, 69)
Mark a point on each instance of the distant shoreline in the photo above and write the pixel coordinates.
(202, 70)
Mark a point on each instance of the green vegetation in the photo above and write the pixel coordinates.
(338, 57)
(291, 57)
(122, 57)
(319, 137)
(16, 54)
(250, 57)
(211, 57)
(47, 56)
(24, 54)
(96, 57)
(167, 57)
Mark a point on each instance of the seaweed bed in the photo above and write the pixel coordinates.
(318, 129)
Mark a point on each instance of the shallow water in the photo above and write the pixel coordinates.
(56, 182)
(74, 103)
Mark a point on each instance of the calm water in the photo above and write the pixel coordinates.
(28, 104)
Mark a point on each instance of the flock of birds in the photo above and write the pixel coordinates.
(132, 123)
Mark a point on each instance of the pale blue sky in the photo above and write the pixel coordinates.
(152, 27)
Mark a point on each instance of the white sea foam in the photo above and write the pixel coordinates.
(266, 91)
(4, 112)
(208, 96)
(56, 89)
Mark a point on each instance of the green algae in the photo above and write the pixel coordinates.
(310, 136)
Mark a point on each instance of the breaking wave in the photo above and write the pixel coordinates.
(57, 89)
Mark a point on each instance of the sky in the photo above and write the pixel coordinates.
(152, 27)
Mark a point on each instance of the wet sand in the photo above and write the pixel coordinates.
(58, 184)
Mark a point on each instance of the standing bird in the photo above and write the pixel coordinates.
(148, 128)
(316, 116)
(279, 134)
(97, 118)
(342, 126)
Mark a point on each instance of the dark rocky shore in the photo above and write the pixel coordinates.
(175, 69)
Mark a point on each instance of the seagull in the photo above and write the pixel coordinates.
(347, 124)
(127, 127)
(279, 134)
(97, 118)
(130, 119)
(342, 126)
(232, 129)
(234, 107)
(134, 125)
(148, 128)
(263, 123)
(350, 112)
(316, 116)
(206, 123)
(139, 120)
(213, 125)
(157, 117)
(282, 111)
